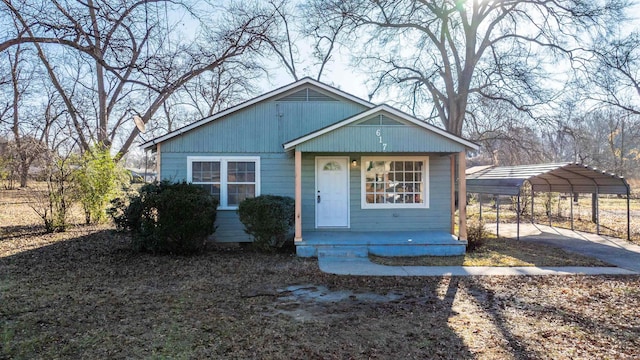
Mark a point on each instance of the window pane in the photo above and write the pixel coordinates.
(393, 182)
(241, 171)
(408, 166)
(205, 171)
(239, 192)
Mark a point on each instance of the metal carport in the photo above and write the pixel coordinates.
(560, 177)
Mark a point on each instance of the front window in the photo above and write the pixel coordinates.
(228, 179)
(395, 182)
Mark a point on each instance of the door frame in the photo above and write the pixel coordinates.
(348, 188)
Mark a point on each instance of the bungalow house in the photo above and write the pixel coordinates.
(362, 175)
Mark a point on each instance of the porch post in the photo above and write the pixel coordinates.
(453, 194)
(462, 196)
(298, 196)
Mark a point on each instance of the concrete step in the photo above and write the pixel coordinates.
(418, 250)
(342, 251)
(352, 244)
(349, 251)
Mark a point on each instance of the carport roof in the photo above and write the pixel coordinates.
(561, 177)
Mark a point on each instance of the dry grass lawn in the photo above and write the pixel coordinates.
(499, 252)
(84, 294)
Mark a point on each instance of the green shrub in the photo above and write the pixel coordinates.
(99, 180)
(167, 218)
(268, 218)
(476, 234)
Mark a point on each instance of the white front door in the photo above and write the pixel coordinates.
(332, 192)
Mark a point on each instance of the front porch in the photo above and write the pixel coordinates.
(383, 243)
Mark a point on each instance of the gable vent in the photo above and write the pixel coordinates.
(380, 120)
(307, 95)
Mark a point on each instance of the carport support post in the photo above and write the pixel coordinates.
(498, 215)
(532, 203)
(571, 200)
(298, 195)
(462, 195)
(628, 214)
(594, 211)
(518, 219)
(549, 208)
(597, 211)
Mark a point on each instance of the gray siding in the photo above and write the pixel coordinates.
(276, 178)
(436, 217)
(262, 128)
(363, 138)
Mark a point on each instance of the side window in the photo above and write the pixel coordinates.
(229, 179)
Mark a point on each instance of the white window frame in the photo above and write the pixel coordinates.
(425, 182)
(224, 160)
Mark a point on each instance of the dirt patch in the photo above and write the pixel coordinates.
(316, 302)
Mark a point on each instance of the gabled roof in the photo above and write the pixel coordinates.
(267, 96)
(562, 177)
(375, 110)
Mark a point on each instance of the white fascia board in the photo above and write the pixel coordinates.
(292, 144)
(428, 126)
(266, 96)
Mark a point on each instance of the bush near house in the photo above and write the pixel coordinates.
(476, 234)
(269, 219)
(174, 218)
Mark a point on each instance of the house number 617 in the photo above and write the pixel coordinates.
(379, 135)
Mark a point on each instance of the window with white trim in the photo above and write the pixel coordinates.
(228, 179)
(395, 182)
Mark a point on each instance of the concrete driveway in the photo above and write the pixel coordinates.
(614, 251)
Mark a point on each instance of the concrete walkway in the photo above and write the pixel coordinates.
(611, 250)
(614, 251)
(364, 267)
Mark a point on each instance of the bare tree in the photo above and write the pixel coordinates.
(615, 73)
(507, 136)
(327, 28)
(305, 37)
(446, 53)
(129, 56)
(28, 129)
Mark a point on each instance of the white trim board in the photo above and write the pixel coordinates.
(379, 109)
(266, 96)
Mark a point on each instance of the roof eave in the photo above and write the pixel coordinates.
(264, 97)
(384, 107)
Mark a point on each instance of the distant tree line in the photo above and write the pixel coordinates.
(531, 81)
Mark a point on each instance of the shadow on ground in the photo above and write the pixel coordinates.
(89, 296)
